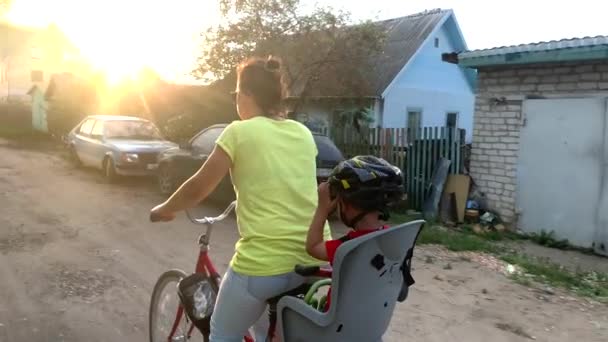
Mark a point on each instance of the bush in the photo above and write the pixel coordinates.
(15, 118)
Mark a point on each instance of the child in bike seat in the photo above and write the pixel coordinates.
(362, 189)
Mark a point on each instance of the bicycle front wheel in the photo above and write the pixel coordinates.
(166, 312)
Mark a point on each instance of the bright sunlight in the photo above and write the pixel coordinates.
(122, 37)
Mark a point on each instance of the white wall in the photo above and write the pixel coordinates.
(434, 106)
(434, 86)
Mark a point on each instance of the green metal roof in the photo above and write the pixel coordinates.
(566, 50)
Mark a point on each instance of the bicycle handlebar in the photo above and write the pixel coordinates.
(212, 220)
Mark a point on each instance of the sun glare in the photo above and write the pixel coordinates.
(120, 37)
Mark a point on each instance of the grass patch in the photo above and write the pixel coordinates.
(451, 239)
(588, 284)
(13, 132)
(536, 270)
(548, 239)
(398, 218)
(455, 241)
(543, 238)
(493, 235)
(27, 138)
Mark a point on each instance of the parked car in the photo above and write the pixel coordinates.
(118, 145)
(178, 164)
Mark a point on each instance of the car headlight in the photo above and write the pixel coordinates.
(130, 157)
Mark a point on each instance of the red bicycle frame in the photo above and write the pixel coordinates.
(203, 265)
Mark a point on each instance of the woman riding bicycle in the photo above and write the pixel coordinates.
(272, 165)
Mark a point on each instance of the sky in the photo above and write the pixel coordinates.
(120, 36)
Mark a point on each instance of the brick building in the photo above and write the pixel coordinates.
(540, 136)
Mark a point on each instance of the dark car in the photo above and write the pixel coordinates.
(176, 165)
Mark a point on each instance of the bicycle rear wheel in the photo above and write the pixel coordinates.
(166, 309)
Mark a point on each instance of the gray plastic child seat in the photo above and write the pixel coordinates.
(367, 280)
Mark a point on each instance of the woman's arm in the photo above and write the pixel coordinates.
(198, 187)
(315, 245)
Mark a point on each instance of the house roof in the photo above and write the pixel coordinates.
(565, 50)
(404, 37)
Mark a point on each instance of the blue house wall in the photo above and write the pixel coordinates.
(432, 86)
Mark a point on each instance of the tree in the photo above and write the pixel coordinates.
(321, 42)
(70, 99)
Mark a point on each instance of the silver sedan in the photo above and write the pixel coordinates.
(118, 145)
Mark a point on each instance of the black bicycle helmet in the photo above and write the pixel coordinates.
(368, 183)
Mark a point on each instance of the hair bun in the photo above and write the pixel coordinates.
(272, 64)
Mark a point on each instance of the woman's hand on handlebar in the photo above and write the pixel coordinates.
(160, 214)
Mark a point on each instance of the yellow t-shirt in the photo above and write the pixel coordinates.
(274, 177)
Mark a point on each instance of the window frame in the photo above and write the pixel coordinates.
(95, 125)
(447, 115)
(410, 110)
(202, 149)
(80, 129)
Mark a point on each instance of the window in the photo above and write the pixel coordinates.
(451, 120)
(37, 76)
(205, 142)
(131, 129)
(414, 118)
(436, 42)
(87, 127)
(97, 129)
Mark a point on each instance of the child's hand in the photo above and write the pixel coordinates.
(326, 204)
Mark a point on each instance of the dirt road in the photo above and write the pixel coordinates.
(78, 261)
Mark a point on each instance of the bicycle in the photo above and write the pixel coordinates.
(206, 280)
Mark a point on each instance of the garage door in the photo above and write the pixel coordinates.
(562, 170)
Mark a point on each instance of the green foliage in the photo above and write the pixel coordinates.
(589, 284)
(356, 117)
(452, 239)
(194, 108)
(311, 44)
(455, 241)
(535, 270)
(69, 105)
(15, 119)
(548, 239)
(493, 235)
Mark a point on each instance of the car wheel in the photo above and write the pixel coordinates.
(109, 170)
(74, 156)
(166, 182)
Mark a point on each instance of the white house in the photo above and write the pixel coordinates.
(411, 86)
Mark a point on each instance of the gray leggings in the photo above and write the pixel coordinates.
(242, 301)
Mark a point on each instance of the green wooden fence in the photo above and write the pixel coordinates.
(415, 151)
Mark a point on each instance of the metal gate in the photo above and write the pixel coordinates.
(561, 172)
